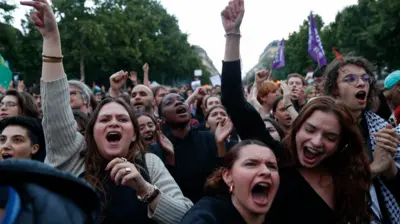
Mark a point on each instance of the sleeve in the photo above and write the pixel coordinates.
(172, 205)
(247, 121)
(63, 141)
(199, 214)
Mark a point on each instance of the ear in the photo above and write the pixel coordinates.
(35, 149)
(207, 125)
(227, 176)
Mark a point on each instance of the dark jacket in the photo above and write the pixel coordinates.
(46, 195)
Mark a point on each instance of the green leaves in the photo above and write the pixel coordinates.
(108, 36)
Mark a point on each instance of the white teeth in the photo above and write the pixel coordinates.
(312, 150)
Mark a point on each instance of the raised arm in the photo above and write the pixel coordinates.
(63, 142)
(247, 121)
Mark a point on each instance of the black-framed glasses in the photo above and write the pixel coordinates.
(353, 79)
(8, 104)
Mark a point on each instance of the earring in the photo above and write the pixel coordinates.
(344, 148)
(231, 189)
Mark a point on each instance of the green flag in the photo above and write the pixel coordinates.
(5, 74)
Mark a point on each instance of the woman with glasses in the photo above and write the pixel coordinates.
(14, 103)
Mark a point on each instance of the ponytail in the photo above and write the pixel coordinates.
(215, 184)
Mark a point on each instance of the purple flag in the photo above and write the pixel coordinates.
(279, 60)
(315, 48)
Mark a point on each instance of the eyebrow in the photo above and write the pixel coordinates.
(327, 132)
(110, 115)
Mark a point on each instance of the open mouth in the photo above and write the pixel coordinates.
(6, 156)
(138, 104)
(181, 110)
(361, 95)
(113, 137)
(259, 193)
(148, 137)
(311, 153)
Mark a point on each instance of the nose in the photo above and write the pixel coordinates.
(265, 171)
(317, 140)
(360, 82)
(114, 123)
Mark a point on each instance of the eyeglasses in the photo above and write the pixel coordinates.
(75, 93)
(353, 79)
(8, 104)
(319, 80)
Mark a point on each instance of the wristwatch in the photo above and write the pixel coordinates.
(150, 196)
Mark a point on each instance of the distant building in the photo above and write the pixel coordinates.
(207, 62)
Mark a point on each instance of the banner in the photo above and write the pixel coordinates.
(279, 60)
(5, 74)
(315, 49)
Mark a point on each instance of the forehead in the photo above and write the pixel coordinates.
(351, 69)
(295, 79)
(144, 119)
(11, 98)
(141, 88)
(162, 91)
(12, 130)
(325, 121)
(113, 108)
(218, 110)
(213, 98)
(256, 152)
(172, 96)
(280, 104)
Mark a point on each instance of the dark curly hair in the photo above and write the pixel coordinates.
(349, 165)
(332, 74)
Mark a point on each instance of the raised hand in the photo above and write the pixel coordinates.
(133, 76)
(43, 18)
(146, 67)
(21, 86)
(232, 16)
(117, 80)
(261, 76)
(223, 130)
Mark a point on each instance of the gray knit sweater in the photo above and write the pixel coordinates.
(64, 144)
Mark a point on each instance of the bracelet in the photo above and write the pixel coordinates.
(52, 57)
(150, 195)
(52, 60)
(288, 106)
(233, 34)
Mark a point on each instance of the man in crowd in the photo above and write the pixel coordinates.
(80, 96)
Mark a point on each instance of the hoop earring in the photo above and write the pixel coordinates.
(231, 189)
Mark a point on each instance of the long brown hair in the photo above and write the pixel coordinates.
(26, 103)
(215, 184)
(94, 172)
(349, 165)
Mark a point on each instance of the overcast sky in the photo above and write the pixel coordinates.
(264, 21)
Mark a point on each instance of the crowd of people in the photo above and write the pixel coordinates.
(325, 150)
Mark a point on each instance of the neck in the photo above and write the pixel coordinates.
(180, 132)
(357, 115)
(246, 215)
(266, 109)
